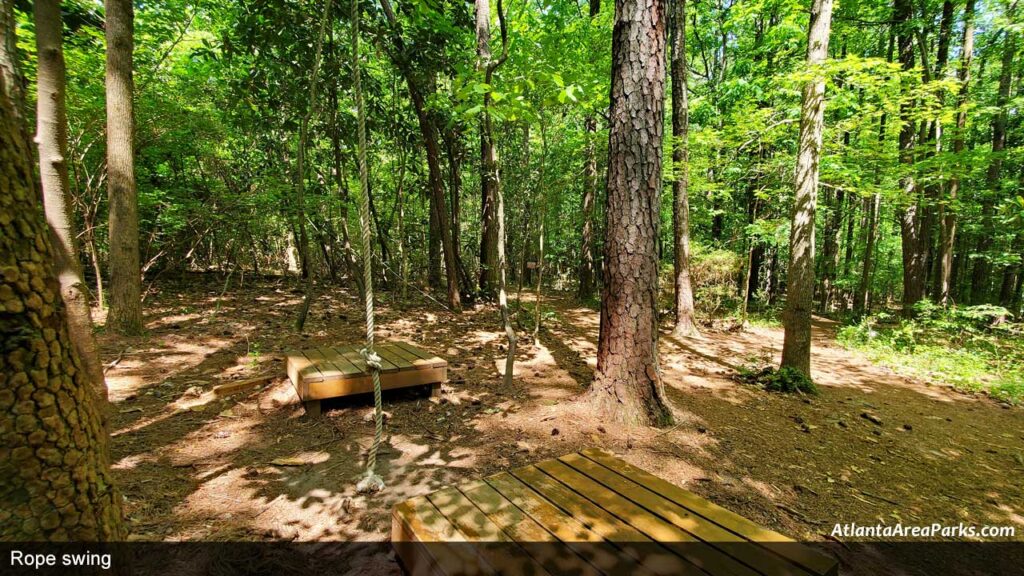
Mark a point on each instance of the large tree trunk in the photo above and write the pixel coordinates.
(681, 181)
(796, 345)
(125, 314)
(628, 387)
(55, 481)
(910, 217)
(52, 137)
(980, 275)
(947, 211)
(586, 270)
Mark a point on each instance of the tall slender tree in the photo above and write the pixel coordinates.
(628, 386)
(947, 210)
(55, 479)
(125, 275)
(681, 177)
(52, 138)
(980, 276)
(796, 346)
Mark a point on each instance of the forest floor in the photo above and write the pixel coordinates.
(873, 447)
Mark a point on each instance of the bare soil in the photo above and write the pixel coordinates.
(873, 447)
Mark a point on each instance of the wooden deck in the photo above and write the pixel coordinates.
(588, 513)
(329, 372)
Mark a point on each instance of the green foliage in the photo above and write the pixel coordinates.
(785, 379)
(974, 349)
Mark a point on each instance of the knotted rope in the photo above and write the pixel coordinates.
(370, 482)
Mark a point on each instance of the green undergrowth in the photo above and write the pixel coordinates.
(787, 380)
(972, 349)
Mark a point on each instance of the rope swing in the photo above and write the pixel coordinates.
(371, 482)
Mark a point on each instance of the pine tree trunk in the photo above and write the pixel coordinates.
(796, 346)
(125, 314)
(52, 138)
(586, 270)
(628, 386)
(681, 182)
(55, 482)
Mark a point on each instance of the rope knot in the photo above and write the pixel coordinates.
(371, 358)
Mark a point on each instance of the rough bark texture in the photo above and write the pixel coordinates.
(488, 165)
(680, 184)
(125, 276)
(909, 215)
(54, 476)
(947, 211)
(628, 385)
(586, 271)
(10, 71)
(796, 346)
(980, 275)
(52, 137)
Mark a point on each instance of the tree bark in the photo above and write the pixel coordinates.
(628, 387)
(980, 274)
(429, 131)
(910, 218)
(125, 314)
(681, 181)
(947, 210)
(796, 345)
(586, 270)
(55, 482)
(52, 138)
(488, 167)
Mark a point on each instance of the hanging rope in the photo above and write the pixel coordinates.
(370, 482)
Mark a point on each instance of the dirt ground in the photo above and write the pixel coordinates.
(873, 447)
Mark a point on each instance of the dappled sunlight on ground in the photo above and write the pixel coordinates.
(252, 466)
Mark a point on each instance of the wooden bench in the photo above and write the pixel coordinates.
(330, 372)
(588, 513)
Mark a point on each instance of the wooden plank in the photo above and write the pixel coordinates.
(352, 354)
(429, 357)
(344, 363)
(754, 556)
(631, 541)
(392, 353)
(326, 368)
(539, 543)
(295, 362)
(566, 528)
(417, 521)
(707, 558)
(508, 558)
(415, 361)
(364, 384)
(310, 372)
(804, 556)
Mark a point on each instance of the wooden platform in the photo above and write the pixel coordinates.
(329, 372)
(588, 513)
